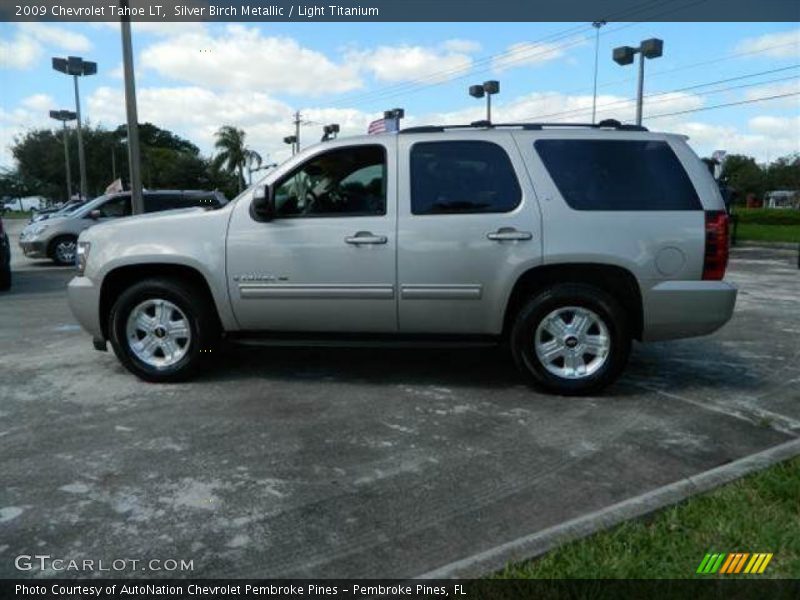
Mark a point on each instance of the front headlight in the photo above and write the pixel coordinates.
(83, 256)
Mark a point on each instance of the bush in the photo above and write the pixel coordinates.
(768, 216)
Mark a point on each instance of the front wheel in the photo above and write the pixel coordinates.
(571, 339)
(162, 331)
(63, 249)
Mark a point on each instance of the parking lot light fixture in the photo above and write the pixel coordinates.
(291, 139)
(623, 55)
(329, 132)
(64, 116)
(77, 67)
(487, 89)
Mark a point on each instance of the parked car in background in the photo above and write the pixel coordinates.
(56, 238)
(567, 243)
(5, 259)
(61, 210)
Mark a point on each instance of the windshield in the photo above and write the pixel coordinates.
(85, 209)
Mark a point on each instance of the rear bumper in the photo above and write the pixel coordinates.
(84, 301)
(680, 309)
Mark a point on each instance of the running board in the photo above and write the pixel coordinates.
(299, 340)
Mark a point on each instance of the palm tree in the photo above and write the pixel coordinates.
(233, 154)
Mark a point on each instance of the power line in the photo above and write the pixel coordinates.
(578, 111)
(751, 101)
(524, 55)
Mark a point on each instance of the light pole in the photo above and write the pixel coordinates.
(64, 116)
(652, 48)
(488, 89)
(77, 67)
(134, 156)
(597, 25)
(291, 139)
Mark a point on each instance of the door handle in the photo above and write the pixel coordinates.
(509, 234)
(365, 237)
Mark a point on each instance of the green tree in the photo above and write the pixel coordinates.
(744, 175)
(233, 153)
(784, 173)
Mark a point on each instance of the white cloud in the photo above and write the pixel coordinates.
(779, 127)
(763, 139)
(30, 41)
(526, 54)
(459, 45)
(408, 63)
(242, 58)
(777, 89)
(783, 44)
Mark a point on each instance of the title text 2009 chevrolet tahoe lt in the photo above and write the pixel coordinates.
(566, 242)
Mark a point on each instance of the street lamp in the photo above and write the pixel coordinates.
(64, 116)
(597, 25)
(77, 67)
(291, 139)
(652, 48)
(329, 132)
(488, 89)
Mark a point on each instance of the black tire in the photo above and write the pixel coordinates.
(199, 312)
(562, 296)
(54, 253)
(5, 278)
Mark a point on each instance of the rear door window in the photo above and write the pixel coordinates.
(618, 174)
(462, 177)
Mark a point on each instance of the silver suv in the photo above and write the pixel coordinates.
(56, 237)
(566, 242)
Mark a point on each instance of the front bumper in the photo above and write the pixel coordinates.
(681, 309)
(34, 248)
(84, 301)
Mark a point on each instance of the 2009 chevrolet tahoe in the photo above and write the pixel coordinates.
(566, 242)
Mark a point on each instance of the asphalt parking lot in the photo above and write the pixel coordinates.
(361, 463)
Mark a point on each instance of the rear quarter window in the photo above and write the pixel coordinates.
(618, 174)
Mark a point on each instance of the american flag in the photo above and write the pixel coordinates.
(382, 126)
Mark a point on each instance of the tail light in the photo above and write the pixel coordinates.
(716, 255)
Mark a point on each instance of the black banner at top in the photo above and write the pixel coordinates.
(400, 10)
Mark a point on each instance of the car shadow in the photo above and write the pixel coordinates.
(676, 367)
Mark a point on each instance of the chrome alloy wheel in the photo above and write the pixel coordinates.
(572, 342)
(65, 251)
(158, 333)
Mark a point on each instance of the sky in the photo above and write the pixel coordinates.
(192, 78)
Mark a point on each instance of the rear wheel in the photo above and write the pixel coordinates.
(571, 339)
(63, 249)
(162, 331)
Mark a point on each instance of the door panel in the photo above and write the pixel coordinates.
(456, 268)
(313, 272)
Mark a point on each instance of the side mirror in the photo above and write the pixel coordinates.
(262, 208)
(95, 214)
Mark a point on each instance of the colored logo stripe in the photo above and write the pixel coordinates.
(734, 563)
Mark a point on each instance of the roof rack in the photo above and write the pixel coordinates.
(605, 124)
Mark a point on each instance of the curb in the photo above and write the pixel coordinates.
(536, 544)
(772, 245)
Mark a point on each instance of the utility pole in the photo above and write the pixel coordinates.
(597, 25)
(137, 200)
